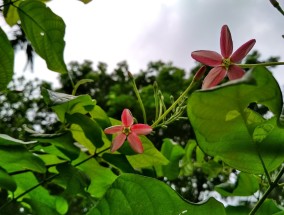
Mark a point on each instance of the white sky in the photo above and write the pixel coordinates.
(140, 31)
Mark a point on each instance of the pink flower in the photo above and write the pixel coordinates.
(224, 64)
(129, 131)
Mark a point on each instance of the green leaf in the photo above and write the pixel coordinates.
(74, 180)
(7, 181)
(64, 142)
(173, 153)
(150, 157)
(120, 161)
(246, 185)
(227, 128)
(101, 177)
(63, 103)
(138, 195)
(46, 31)
(40, 200)
(11, 12)
(15, 156)
(100, 116)
(6, 59)
(270, 207)
(91, 129)
(186, 162)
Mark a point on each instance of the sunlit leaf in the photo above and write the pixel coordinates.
(186, 162)
(227, 128)
(15, 156)
(150, 157)
(270, 207)
(138, 195)
(46, 31)
(101, 177)
(246, 185)
(6, 59)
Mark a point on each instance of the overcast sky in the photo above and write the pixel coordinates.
(140, 31)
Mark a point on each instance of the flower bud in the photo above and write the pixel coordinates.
(274, 3)
(199, 74)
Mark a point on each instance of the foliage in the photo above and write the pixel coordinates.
(55, 155)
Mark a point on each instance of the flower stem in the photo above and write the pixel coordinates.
(260, 64)
(190, 87)
(138, 97)
(268, 191)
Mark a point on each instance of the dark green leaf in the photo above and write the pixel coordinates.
(120, 161)
(45, 30)
(91, 129)
(227, 128)
(270, 207)
(6, 181)
(6, 59)
(138, 195)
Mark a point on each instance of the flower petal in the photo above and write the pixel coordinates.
(113, 129)
(127, 118)
(135, 143)
(117, 142)
(235, 72)
(141, 129)
(209, 58)
(214, 77)
(241, 52)
(226, 42)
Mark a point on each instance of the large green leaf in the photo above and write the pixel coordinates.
(15, 156)
(6, 59)
(45, 30)
(134, 194)
(227, 128)
(40, 200)
(173, 152)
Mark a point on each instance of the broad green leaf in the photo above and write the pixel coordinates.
(15, 156)
(40, 200)
(134, 194)
(246, 185)
(173, 153)
(63, 103)
(227, 128)
(64, 142)
(6, 181)
(237, 210)
(150, 157)
(11, 12)
(101, 177)
(91, 129)
(46, 31)
(6, 59)
(100, 116)
(72, 179)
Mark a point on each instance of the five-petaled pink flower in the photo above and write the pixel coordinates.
(224, 64)
(128, 130)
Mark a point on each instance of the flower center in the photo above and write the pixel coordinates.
(226, 63)
(126, 130)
